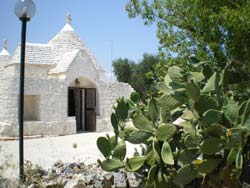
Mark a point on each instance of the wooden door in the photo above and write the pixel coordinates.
(90, 109)
(78, 108)
(83, 109)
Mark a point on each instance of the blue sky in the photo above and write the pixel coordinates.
(102, 24)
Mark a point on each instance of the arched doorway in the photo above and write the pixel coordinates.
(82, 104)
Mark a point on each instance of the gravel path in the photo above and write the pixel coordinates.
(45, 151)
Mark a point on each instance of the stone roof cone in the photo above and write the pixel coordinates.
(4, 51)
(67, 36)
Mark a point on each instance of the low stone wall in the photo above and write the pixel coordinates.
(103, 125)
(7, 129)
(54, 128)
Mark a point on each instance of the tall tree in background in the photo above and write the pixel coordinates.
(140, 76)
(123, 69)
(212, 30)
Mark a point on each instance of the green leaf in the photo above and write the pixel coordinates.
(193, 91)
(156, 150)
(209, 165)
(165, 132)
(135, 97)
(113, 142)
(142, 123)
(152, 173)
(122, 109)
(235, 139)
(192, 141)
(188, 127)
(150, 158)
(205, 103)
(210, 117)
(231, 157)
(153, 109)
(196, 77)
(104, 146)
(135, 163)
(187, 115)
(169, 103)
(161, 86)
(114, 121)
(110, 165)
(177, 86)
(185, 175)
(210, 85)
(138, 137)
(167, 80)
(231, 111)
(246, 116)
(187, 156)
(166, 154)
(239, 160)
(211, 146)
(215, 130)
(175, 73)
(120, 150)
(242, 107)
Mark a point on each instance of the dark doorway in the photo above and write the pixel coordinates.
(90, 105)
(82, 105)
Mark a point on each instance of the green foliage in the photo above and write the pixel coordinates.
(104, 146)
(185, 174)
(135, 163)
(197, 135)
(211, 146)
(110, 165)
(120, 150)
(165, 132)
(193, 91)
(123, 69)
(214, 30)
(141, 76)
(166, 153)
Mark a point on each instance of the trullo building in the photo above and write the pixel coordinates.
(64, 90)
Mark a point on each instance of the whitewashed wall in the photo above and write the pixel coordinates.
(52, 90)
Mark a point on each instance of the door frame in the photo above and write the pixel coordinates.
(83, 124)
(87, 127)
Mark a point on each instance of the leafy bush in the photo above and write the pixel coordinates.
(195, 134)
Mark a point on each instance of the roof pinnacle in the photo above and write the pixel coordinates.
(4, 51)
(68, 19)
(5, 44)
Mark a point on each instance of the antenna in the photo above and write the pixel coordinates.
(111, 58)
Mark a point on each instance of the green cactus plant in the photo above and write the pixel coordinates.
(196, 133)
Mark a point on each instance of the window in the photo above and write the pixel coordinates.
(31, 108)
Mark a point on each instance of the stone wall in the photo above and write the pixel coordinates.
(110, 92)
(52, 91)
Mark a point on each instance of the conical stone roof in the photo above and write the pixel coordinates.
(4, 51)
(67, 39)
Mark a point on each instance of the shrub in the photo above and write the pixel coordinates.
(195, 134)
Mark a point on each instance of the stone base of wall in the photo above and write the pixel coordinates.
(7, 129)
(50, 128)
(54, 128)
(103, 125)
(31, 128)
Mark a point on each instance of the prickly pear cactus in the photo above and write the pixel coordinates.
(194, 134)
